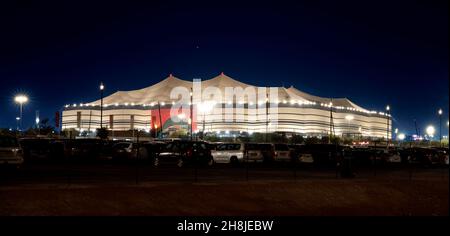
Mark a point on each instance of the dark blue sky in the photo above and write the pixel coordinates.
(377, 53)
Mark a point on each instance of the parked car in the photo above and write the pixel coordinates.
(42, 149)
(35, 148)
(235, 153)
(229, 153)
(253, 152)
(303, 154)
(442, 153)
(385, 154)
(151, 150)
(185, 152)
(281, 152)
(88, 150)
(57, 150)
(267, 151)
(213, 146)
(124, 151)
(419, 156)
(393, 156)
(325, 154)
(293, 149)
(10, 152)
(366, 156)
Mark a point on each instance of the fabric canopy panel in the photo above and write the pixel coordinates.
(161, 92)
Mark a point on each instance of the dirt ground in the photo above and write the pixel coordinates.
(264, 198)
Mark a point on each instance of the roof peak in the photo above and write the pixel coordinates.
(171, 76)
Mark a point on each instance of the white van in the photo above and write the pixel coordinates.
(235, 153)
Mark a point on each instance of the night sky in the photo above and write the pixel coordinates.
(372, 53)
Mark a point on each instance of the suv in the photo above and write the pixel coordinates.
(302, 154)
(253, 153)
(42, 149)
(365, 156)
(229, 153)
(10, 152)
(124, 151)
(267, 151)
(185, 152)
(281, 152)
(442, 154)
(151, 150)
(325, 154)
(88, 150)
(392, 156)
(418, 156)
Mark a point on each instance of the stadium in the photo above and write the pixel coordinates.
(255, 109)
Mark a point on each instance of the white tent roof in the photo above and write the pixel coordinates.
(161, 92)
(340, 102)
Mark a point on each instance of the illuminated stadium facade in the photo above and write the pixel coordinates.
(161, 107)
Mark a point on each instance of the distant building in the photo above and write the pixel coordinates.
(292, 111)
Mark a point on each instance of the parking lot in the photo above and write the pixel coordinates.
(97, 161)
(84, 173)
(96, 178)
(50, 189)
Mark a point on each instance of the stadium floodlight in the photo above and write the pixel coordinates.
(430, 130)
(21, 99)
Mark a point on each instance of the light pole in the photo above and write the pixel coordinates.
(205, 108)
(388, 111)
(37, 122)
(430, 132)
(18, 120)
(191, 115)
(102, 87)
(447, 133)
(21, 99)
(204, 117)
(440, 127)
(395, 132)
(400, 137)
(267, 115)
(160, 119)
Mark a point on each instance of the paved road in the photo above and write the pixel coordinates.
(101, 173)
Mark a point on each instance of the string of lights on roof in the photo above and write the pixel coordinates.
(291, 102)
